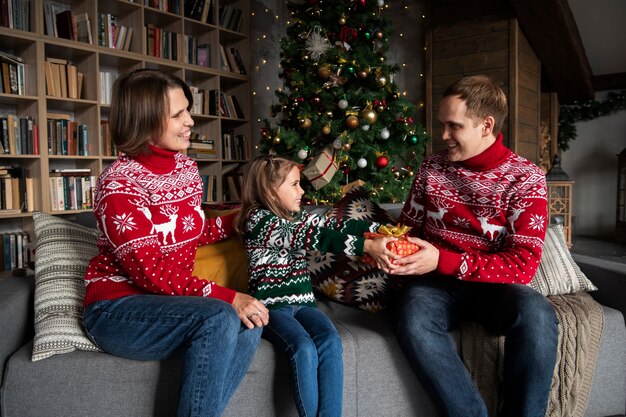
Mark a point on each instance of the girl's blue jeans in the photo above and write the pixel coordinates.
(207, 332)
(314, 349)
(432, 305)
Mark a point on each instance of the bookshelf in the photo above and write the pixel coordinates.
(184, 37)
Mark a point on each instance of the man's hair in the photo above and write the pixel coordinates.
(140, 108)
(261, 177)
(482, 97)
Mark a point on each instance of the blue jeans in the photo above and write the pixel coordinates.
(206, 332)
(314, 349)
(432, 305)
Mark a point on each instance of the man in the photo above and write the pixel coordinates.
(481, 213)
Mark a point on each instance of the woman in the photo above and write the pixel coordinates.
(142, 301)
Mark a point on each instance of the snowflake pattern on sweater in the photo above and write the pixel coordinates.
(148, 209)
(487, 215)
(277, 250)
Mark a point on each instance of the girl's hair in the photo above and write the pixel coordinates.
(261, 177)
(482, 97)
(140, 108)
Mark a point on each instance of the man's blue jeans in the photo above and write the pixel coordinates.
(314, 349)
(215, 347)
(432, 305)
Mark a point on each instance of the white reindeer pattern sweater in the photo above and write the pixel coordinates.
(486, 215)
(148, 210)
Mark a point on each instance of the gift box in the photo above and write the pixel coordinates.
(322, 168)
(401, 247)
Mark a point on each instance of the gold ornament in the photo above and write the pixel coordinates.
(381, 81)
(305, 123)
(326, 130)
(343, 20)
(323, 72)
(370, 116)
(379, 35)
(352, 122)
(346, 146)
(381, 59)
(276, 140)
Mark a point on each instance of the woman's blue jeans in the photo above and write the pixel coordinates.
(314, 349)
(207, 332)
(430, 306)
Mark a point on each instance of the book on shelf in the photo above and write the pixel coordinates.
(14, 251)
(71, 189)
(64, 25)
(82, 23)
(199, 153)
(238, 60)
(15, 14)
(12, 74)
(51, 10)
(232, 186)
(230, 18)
(17, 135)
(200, 10)
(63, 80)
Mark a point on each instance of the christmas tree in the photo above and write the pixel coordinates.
(339, 111)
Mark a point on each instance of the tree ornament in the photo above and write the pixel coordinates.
(326, 129)
(346, 147)
(381, 81)
(381, 162)
(384, 133)
(362, 74)
(316, 45)
(352, 122)
(343, 104)
(343, 20)
(324, 72)
(316, 100)
(276, 140)
(367, 35)
(305, 123)
(369, 115)
(413, 139)
(361, 163)
(303, 153)
(381, 59)
(380, 3)
(365, 127)
(337, 143)
(379, 35)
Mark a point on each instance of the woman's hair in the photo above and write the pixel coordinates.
(261, 177)
(140, 108)
(482, 97)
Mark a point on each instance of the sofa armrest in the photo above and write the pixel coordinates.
(16, 315)
(610, 280)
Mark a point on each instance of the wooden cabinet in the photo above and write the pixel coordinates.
(182, 37)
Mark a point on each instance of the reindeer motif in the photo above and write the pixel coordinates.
(195, 203)
(517, 210)
(491, 231)
(168, 227)
(415, 208)
(437, 216)
(146, 212)
(100, 212)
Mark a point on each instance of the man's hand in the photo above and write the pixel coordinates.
(251, 311)
(421, 262)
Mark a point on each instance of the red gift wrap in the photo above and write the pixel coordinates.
(400, 247)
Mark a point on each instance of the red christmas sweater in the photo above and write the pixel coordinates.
(486, 215)
(148, 210)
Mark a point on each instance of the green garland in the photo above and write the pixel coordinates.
(589, 110)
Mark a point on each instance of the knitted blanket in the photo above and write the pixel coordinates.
(581, 323)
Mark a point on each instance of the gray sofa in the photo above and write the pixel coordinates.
(378, 380)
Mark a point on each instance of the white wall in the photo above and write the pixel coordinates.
(591, 162)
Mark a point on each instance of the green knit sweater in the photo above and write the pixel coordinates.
(277, 250)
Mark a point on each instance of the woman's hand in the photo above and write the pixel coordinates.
(251, 311)
(377, 250)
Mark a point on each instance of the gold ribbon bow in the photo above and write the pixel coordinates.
(395, 231)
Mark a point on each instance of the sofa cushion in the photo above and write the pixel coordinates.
(62, 252)
(223, 262)
(557, 272)
(345, 278)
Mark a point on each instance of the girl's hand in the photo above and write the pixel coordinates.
(251, 311)
(377, 249)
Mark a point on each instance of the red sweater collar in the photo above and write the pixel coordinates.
(489, 158)
(157, 160)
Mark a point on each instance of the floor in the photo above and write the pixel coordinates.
(601, 251)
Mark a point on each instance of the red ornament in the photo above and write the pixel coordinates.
(381, 162)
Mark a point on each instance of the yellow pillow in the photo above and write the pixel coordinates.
(225, 263)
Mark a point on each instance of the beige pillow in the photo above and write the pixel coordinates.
(558, 273)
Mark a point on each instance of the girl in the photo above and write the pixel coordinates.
(276, 236)
(142, 301)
